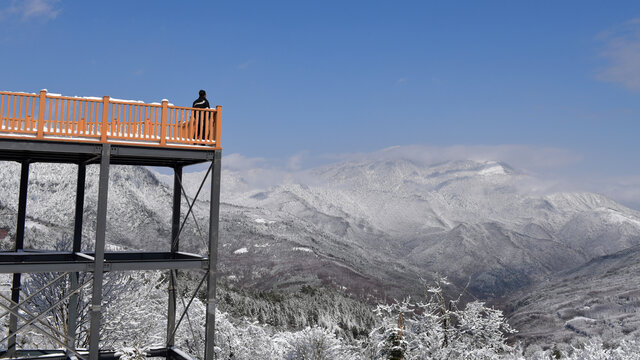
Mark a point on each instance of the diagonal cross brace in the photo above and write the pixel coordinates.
(54, 331)
(195, 220)
(16, 311)
(47, 310)
(173, 243)
(189, 304)
(35, 293)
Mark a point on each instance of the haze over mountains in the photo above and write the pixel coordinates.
(373, 227)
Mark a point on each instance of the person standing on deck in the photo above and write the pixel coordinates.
(201, 103)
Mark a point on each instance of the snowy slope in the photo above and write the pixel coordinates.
(600, 298)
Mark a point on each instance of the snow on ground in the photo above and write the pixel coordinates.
(493, 170)
(264, 221)
(243, 250)
(618, 218)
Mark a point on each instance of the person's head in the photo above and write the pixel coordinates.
(202, 93)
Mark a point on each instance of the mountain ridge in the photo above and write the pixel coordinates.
(374, 227)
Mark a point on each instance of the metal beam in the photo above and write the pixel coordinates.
(7, 145)
(214, 213)
(77, 266)
(95, 311)
(74, 153)
(80, 187)
(22, 204)
(24, 262)
(175, 244)
(72, 309)
(196, 155)
(175, 216)
(19, 245)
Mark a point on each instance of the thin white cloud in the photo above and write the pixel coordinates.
(622, 50)
(529, 158)
(244, 65)
(401, 81)
(239, 162)
(295, 162)
(254, 173)
(44, 8)
(545, 167)
(625, 190)
(28, 9)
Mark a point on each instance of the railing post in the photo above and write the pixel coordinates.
(41, 106)
(163, 121)
(218, 126)
(105, 119)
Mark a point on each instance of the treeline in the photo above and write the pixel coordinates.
(330, 309)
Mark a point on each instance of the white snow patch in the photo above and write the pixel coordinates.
(579, 319)
(264, 221)
(232, 278)
(243, 250)
(32, 224)
(618, 218)
(493, 170)
(302, 248)
(127, 101)
(262, 245)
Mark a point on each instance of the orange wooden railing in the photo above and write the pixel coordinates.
(55, 117)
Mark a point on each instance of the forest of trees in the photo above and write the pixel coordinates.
(313, 323)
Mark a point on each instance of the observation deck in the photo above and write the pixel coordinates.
(53, 117)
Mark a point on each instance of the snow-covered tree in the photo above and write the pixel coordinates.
(438, 329)
(315, 344)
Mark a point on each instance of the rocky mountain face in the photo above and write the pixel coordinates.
(373, 227)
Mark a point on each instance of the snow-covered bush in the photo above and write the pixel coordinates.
(132, 353)
(315, 344)
(437, 329)
(594, 349)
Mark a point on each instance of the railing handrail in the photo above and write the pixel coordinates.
(48, 116)
(18, 93)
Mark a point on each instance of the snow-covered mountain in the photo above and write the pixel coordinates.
(374, 227)
(478, 221)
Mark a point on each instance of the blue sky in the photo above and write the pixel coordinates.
(304, 82)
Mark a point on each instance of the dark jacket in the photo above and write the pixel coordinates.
(203, 116)
(201, 103)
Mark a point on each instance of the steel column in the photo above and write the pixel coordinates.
(77, 230)
(175, 244)
(214, 213)
(101, 225)
(77, 247)
(15, 289)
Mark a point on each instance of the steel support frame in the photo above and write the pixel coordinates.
(76, 260)
(214, 214)
(175, 245)
(76, 248)
(95, 310)
(19, 246)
